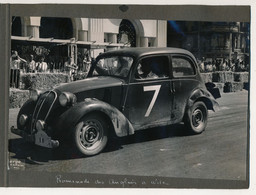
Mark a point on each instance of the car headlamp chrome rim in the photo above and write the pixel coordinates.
(34, 94)
(67, 98)
(23, 119)
(40, 125)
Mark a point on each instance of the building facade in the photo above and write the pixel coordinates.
(135, 33)
(82, 38)
(211, 40)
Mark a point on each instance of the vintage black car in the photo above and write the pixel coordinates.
(126, 90)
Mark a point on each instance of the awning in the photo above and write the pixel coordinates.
(92, 44)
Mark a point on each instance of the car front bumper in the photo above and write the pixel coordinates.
(40, 138)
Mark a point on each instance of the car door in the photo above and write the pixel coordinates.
(148, 98)
(184, 81)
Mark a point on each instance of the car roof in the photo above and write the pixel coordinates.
(142, 51)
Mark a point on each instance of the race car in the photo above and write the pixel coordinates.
(126, 90)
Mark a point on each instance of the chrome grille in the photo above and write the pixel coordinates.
(43, 108)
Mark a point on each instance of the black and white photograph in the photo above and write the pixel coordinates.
(129, 103)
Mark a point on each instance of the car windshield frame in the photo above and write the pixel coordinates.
(113, 65)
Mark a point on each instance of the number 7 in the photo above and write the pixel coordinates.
(155, 88)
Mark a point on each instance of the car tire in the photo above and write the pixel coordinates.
(91, 134)
(196, 118)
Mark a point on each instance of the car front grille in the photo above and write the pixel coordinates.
(43, 108)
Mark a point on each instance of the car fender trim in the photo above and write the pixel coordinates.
(72, 116)
(205, 96)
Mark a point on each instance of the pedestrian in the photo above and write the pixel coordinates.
(70, 68)
(218, 62)
(229, 65)
(31, 64)
(222, 65)
(237, 65)
(15, 65)
(16, 60)
(202, 67)
(209, 66)
(232, 65)
(87, 63)
(213, 67)
(41, 66)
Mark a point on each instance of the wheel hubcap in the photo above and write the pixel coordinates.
(197, 118)
(91, 134)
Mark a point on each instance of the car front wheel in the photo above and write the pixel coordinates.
(91, 134)
(196, 118)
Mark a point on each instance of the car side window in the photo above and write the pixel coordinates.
(152, 68)
(182, 67)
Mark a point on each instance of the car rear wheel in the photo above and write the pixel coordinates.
(196, 118)
(91, 134)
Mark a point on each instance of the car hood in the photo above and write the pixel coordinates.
(89, 84)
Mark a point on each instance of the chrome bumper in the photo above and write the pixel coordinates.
(40, 138)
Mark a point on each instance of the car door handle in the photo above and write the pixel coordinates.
(173, 87)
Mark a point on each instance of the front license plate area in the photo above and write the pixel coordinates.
(42, 139)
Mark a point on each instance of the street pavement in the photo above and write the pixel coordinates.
(220, 152)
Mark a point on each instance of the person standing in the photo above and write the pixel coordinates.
(16, 60)
(202, 65)
(31, 64)
(87, 63)
(70, 68)
(15, 65)
(41, 66)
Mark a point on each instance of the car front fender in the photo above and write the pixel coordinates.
(206, 97)
(27, 109)
(73, 115)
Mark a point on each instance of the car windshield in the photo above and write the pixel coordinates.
(113, 66)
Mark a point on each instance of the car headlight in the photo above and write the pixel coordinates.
(34, 94)
(40, 125)
(67, 98)
(23, 119)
